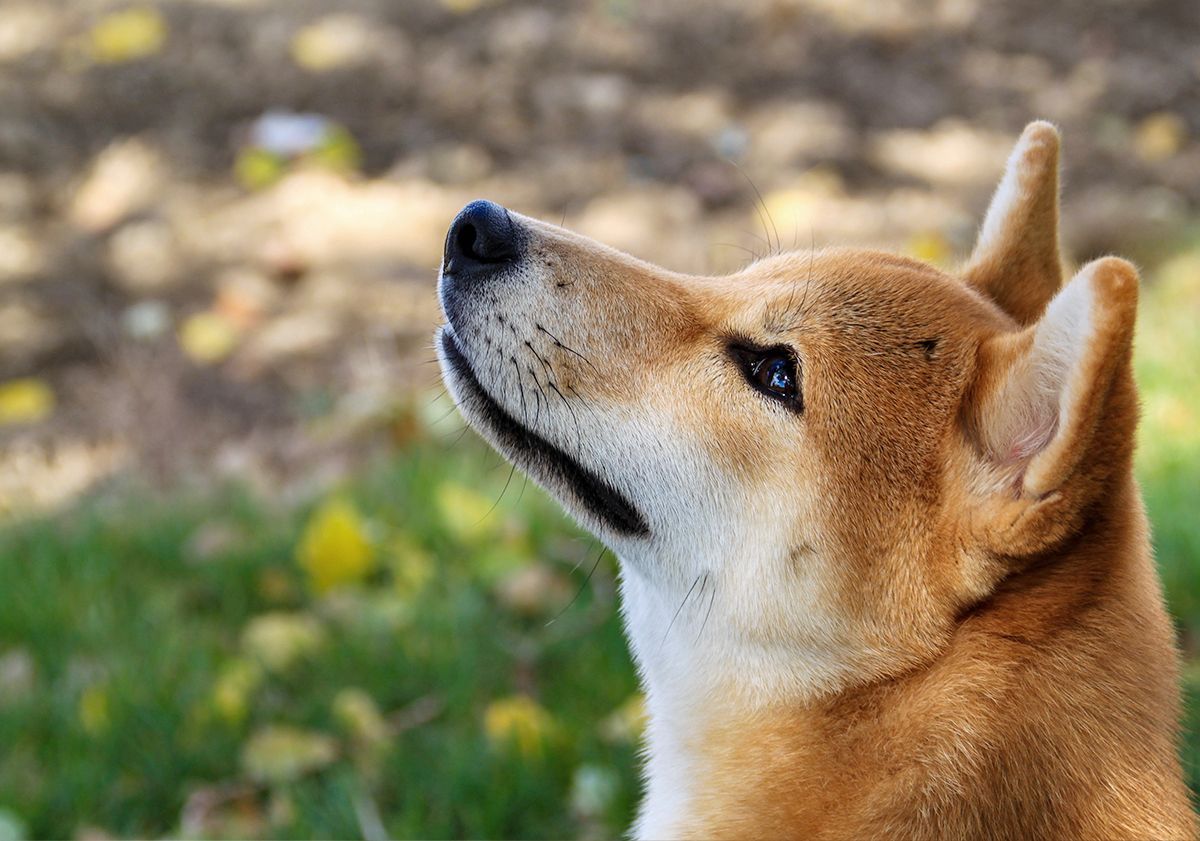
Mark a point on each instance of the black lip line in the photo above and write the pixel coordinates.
(602, 499)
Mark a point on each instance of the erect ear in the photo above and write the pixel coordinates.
(1016, 261)
(1053, 411)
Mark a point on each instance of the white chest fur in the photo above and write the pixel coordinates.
(699, 670)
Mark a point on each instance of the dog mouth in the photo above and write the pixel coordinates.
(535, 454)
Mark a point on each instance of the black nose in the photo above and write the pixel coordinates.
(482, 234)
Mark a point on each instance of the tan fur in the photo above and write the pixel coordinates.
(1045, 716)
(958, 496)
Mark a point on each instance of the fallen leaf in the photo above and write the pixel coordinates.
(128, 35)
(411, 566)
(338, 151)
(125, 178)
(257, 168)
(26, 400)
(207, 337)
(331, 42)
(277, 640)
(626, 723)
(94, 710)
(356, 711)
(334, 548)
(144, 257)
(462, 7)
(1159, 136)
(931, 247)
(280, 753)
(519, 722)
(798, 206)
(464, 511)
(234, 687)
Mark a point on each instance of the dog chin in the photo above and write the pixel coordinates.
(609, 509)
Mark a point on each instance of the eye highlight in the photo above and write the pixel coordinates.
(772, 371)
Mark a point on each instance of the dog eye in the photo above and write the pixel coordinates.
(777, 375)
(771, 371)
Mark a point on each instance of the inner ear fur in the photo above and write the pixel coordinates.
(1053, 412)
(1017, 260)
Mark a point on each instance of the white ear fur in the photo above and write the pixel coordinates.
(1016, 261)
(1023, 179)
(1036, 393)
(1052, 376)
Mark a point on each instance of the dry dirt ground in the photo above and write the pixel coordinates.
(122, 218)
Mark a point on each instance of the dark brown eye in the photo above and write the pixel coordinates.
(777, 375)
(771, 371)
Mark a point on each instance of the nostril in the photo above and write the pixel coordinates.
(482, 234)
(466, 241)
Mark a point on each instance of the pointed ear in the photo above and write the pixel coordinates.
(1053, 411)
(1016, 261)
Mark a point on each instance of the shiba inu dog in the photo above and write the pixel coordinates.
(885, 568)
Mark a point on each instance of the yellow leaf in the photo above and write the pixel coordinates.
(257, 168)
(411, 566)
(519, 722)
(357, 712)
(231, 693)
(462, 7)
(334, 549)
(1159, 136)
(464, 511)
(207, 337)
(626, 723)
(277, 640)
(93, 710)
(280, 753)
(797, 206)
(931, 247)
(25, 401)
(338, 151)
(128, 35)
(331, 42)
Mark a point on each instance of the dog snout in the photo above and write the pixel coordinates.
(482, 238)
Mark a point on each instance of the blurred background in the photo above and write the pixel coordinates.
(255, 578)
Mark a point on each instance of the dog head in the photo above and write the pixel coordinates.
(811, 467)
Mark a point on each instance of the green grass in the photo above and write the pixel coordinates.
(130, 633)
(1168, 369)
(129, 686)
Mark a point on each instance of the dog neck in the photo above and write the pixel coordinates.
(745, 741)
(700, 673)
